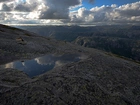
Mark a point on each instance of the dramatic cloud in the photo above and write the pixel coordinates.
(47, 9)
(129, 9)
(27, 6)
(58, 9)
(125, 13)
(64, 12)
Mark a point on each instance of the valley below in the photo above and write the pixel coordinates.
(122, 40)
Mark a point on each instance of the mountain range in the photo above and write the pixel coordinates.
(121, 40)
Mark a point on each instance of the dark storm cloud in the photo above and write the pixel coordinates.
(58, 9)
(47, 9)
(5, 0)
(6, 7)
(25, 7)
(91, 1)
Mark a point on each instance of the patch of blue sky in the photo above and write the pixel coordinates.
(99, 3)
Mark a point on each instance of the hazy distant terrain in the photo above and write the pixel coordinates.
(69, 33)
(120, 40)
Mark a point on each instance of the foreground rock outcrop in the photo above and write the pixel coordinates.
(100, 79)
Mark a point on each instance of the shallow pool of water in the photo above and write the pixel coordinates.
(43, 64)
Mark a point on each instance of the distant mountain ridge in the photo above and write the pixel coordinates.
(117, 39)
(126, 47)
(69, 33)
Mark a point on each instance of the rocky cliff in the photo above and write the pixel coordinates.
(126, 47)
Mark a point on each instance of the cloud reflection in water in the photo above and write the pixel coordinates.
(43, 64)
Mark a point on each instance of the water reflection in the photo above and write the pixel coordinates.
(43, 64)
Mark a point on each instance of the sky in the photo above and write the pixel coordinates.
(69, 12)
